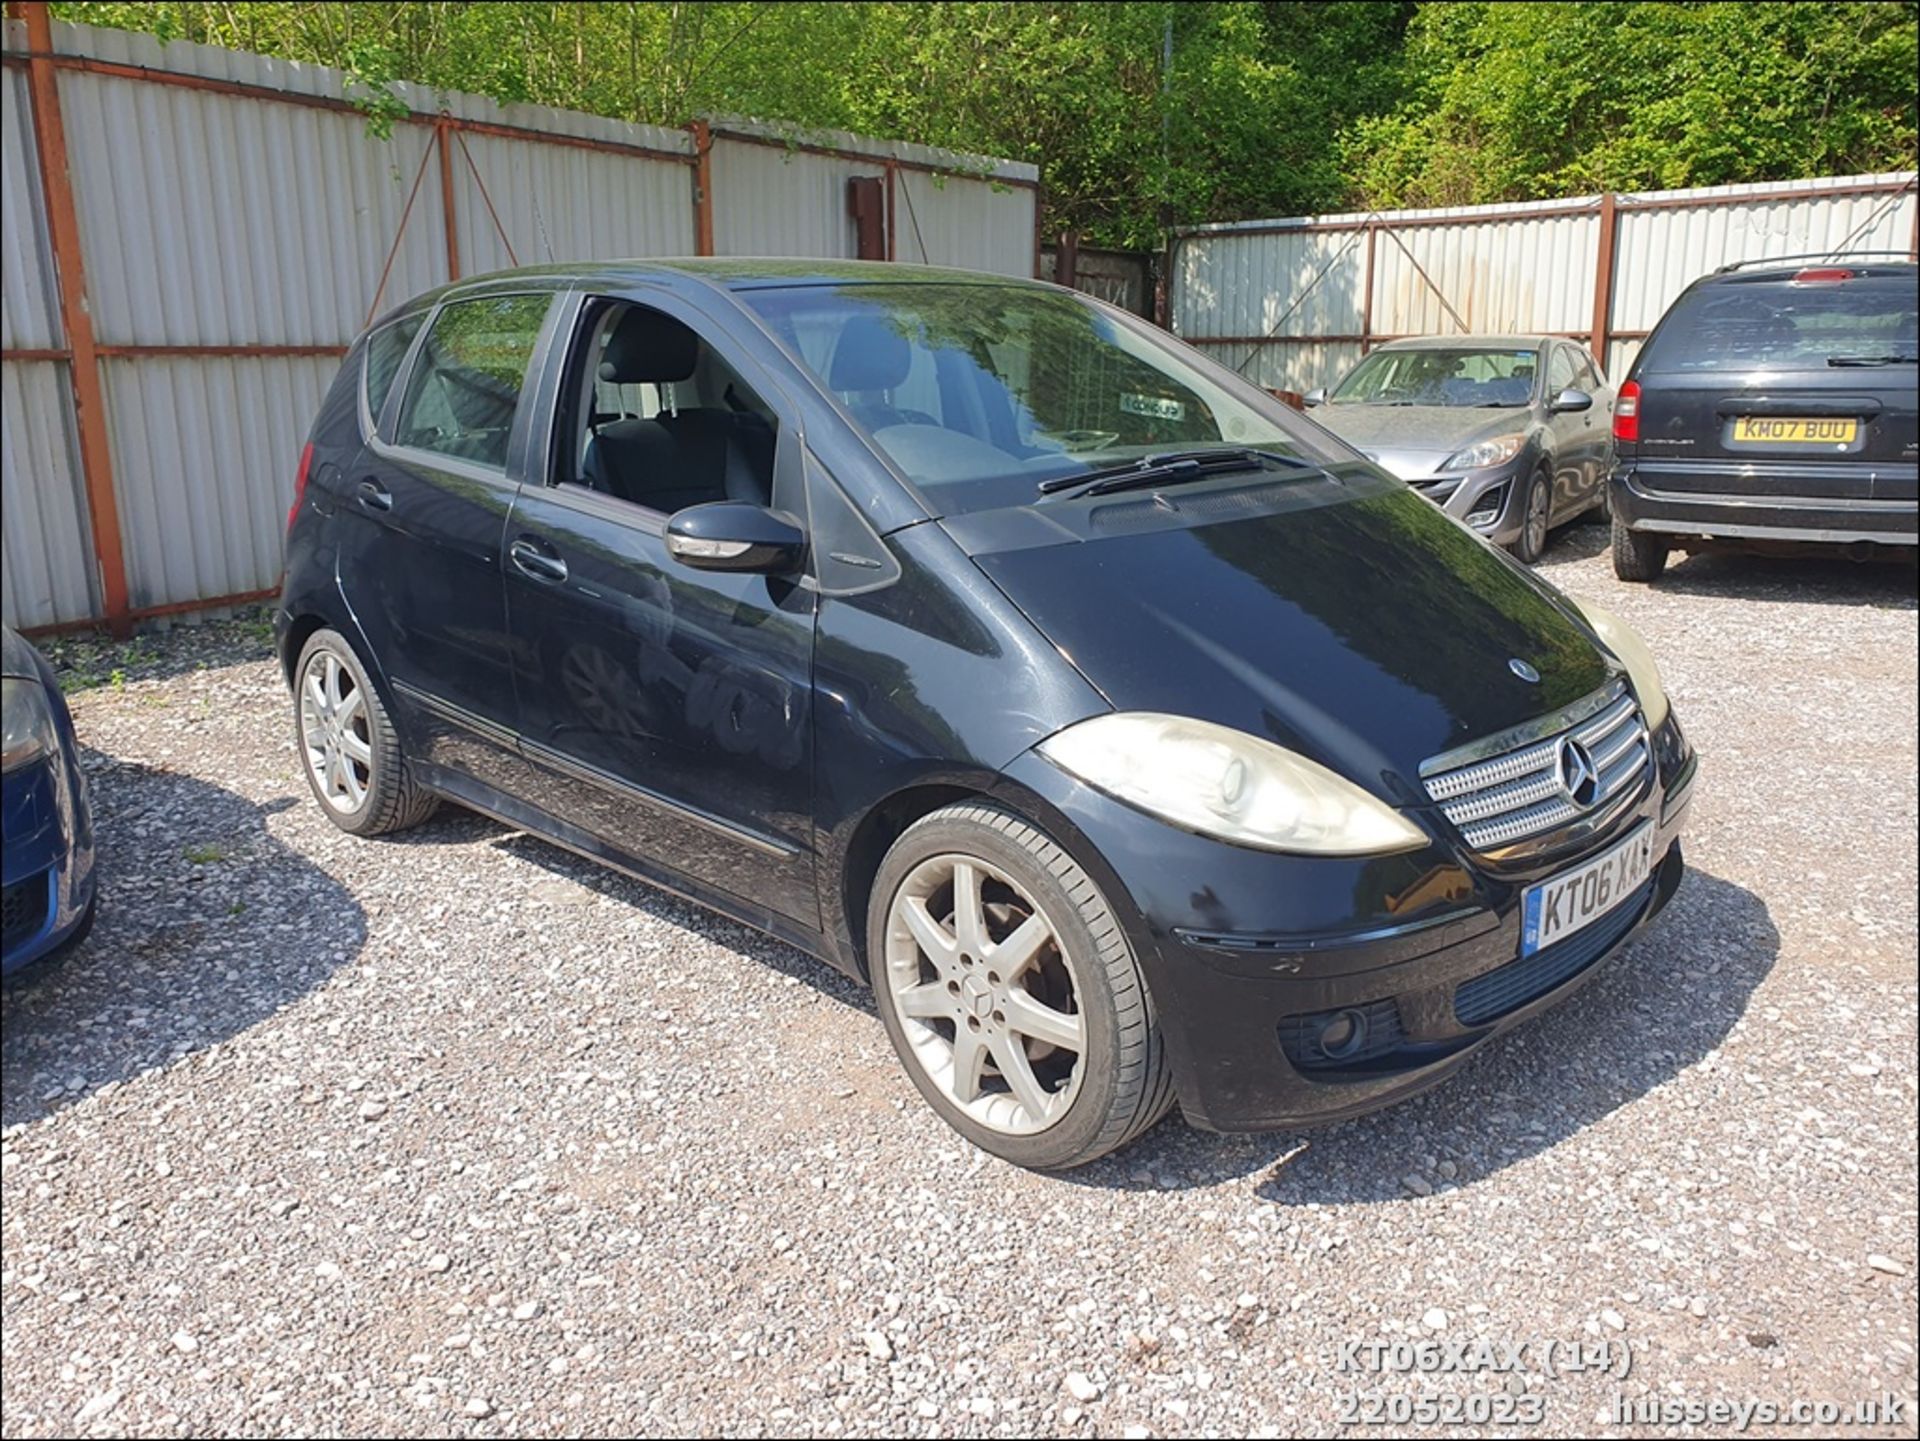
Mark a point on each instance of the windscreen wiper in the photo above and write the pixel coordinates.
(1866, 360)
(1171, 467)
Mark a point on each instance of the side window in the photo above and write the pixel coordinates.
(1560, 370)
(386, 348)
(1591, 380)
(661, 421)
(465, 388)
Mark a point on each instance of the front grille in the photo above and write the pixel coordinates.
(1491, 996)
(23, 911)
(1300, 1036)
(1520, 793)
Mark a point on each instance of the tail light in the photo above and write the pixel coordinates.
(300, 484)
(1821, 277)
(1626, 413)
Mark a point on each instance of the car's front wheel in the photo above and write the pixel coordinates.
(1011, 993)
(348, 747)
(1536, 517)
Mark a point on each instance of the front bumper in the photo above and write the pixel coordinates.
(1735, 503)
(1247, 953)
(1486, 501)
(46, 866)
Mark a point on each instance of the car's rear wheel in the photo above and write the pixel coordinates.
(1536, 516)
(1011, 993)
(348, 747)
(1637, 555)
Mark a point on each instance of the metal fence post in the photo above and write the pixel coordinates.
(442, 129)
(76, 319)
(702, 187)
(1597, 339)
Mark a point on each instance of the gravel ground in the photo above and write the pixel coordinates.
(456, 1133)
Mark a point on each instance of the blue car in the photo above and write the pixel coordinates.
(46, 864)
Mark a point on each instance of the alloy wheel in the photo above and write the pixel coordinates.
(985, 994)
(1538, 501)
(334, 732)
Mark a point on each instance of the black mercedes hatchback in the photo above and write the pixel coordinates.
(1773, 406)
(1138, 741)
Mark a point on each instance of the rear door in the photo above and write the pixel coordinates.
(1784, 387)
(426, 503)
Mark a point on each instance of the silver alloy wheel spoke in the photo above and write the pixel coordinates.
(985, 994)
(1017, 952)
(933, 937)
(334, 733)
(1011, 1057)
(1037, 1022)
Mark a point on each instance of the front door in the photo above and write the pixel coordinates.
(664, 709)
(421, 564)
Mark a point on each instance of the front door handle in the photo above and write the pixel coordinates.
(536, 559)
(373, 495)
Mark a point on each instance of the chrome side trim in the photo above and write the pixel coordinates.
(628, 791)
(1515, 737)
(458, 715)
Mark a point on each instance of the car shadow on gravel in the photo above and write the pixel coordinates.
(456, 826)
(1797, 580)
(1654, 1011)
(207, 926)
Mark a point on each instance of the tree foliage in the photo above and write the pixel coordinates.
(1257, 107)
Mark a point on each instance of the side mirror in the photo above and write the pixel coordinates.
(1317, 396)
(1570, 401)
(735, 535)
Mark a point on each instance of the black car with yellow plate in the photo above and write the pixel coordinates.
(1774, 404)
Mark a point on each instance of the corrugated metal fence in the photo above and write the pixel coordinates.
(1294, 303)
(191, 237)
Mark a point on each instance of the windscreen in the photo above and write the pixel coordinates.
(1788, 325)
(978, 393)
(1470, 379)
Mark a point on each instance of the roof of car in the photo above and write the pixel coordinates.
(1468, 342)
(760, 273)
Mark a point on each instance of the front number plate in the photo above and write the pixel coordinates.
(1577, 898)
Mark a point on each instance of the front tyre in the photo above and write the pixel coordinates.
(1011, 993)
(1536, 517)
(348, 747)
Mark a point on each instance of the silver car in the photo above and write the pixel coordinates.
(1511, 434)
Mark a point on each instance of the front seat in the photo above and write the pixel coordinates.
(870, 359)
(674, 460)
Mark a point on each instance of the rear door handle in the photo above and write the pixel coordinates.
(373, 495)
(536, 559)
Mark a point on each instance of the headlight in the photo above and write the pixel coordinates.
(1220, 782)
(1500, 449)
(1631, 651)
(29, 722)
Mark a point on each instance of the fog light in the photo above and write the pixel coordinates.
(1344, 1033)
(1486, 510)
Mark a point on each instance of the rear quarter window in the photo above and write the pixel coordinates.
(386, 348)
(1783, 325)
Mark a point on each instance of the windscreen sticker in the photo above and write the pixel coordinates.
(1153, 405)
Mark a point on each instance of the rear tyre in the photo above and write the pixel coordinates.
(1536, 515)
(347, 745)
(1011, 993)
(1637, 555)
